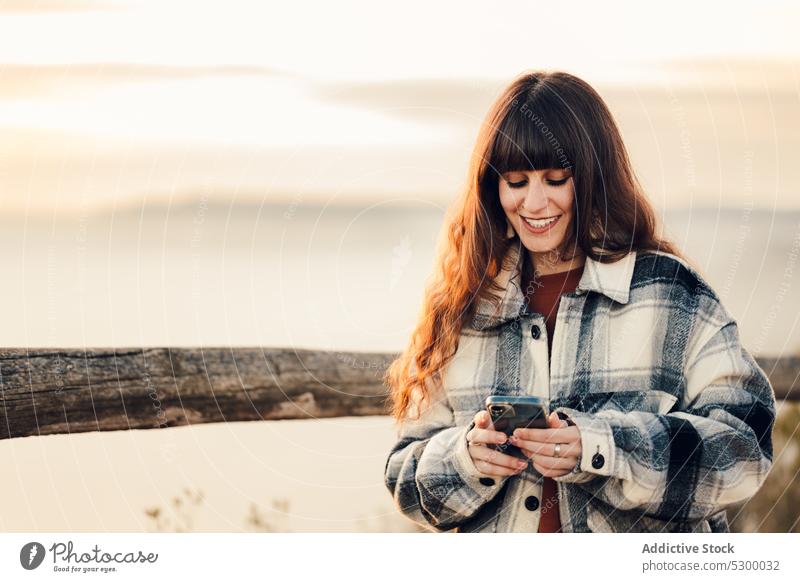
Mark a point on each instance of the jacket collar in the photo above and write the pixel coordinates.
(610, 279)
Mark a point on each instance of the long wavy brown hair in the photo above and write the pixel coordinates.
(541, 120)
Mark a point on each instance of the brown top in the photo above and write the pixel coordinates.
(543, 293)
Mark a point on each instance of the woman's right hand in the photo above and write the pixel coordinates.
(490, 461)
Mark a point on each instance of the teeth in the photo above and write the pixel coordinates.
(540, 223)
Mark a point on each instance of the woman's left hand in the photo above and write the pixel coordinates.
(538, 444)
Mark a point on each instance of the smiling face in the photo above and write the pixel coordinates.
(539, 206)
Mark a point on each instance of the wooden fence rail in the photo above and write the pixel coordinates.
(61, 391)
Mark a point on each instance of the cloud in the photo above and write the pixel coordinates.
(38, 6)
(29, 81)
(423, 100)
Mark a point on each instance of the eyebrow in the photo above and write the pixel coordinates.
(567, 170)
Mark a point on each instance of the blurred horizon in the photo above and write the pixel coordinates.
(285, 206)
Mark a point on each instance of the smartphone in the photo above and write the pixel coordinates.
(512, 412)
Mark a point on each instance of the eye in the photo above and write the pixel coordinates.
(522, 183)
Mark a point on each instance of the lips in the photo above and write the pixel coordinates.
(540, 229)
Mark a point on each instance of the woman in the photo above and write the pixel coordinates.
(552, 282)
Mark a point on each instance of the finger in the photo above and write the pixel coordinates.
(487, 468)
(495, 457)
(555, 422)
(550, 472)
(554, 462)
(568, 433)
(486, 436)
(548, 449)
(483, 420)
(546, 435)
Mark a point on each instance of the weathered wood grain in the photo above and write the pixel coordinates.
(66, 391)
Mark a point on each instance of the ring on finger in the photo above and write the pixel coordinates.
(557, 450)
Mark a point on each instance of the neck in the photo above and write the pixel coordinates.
(551, 262)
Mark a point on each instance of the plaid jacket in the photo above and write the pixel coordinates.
(675, 415)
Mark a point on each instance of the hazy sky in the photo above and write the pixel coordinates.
(105, 103)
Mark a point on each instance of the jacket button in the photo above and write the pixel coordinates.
(532, 503)
(598, 460)
(536, 332)
(488, 481)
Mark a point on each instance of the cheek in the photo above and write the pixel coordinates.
(508, 200)
(564, 202)
(567, 200)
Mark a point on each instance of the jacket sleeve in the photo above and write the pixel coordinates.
(430, 473)
(689, 464)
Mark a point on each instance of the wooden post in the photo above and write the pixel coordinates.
(61, 391)
(66, 391)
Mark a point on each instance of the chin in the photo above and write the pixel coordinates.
(540, 246)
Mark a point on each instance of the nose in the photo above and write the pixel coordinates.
(535, 201)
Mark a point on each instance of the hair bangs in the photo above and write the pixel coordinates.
(528, 141)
